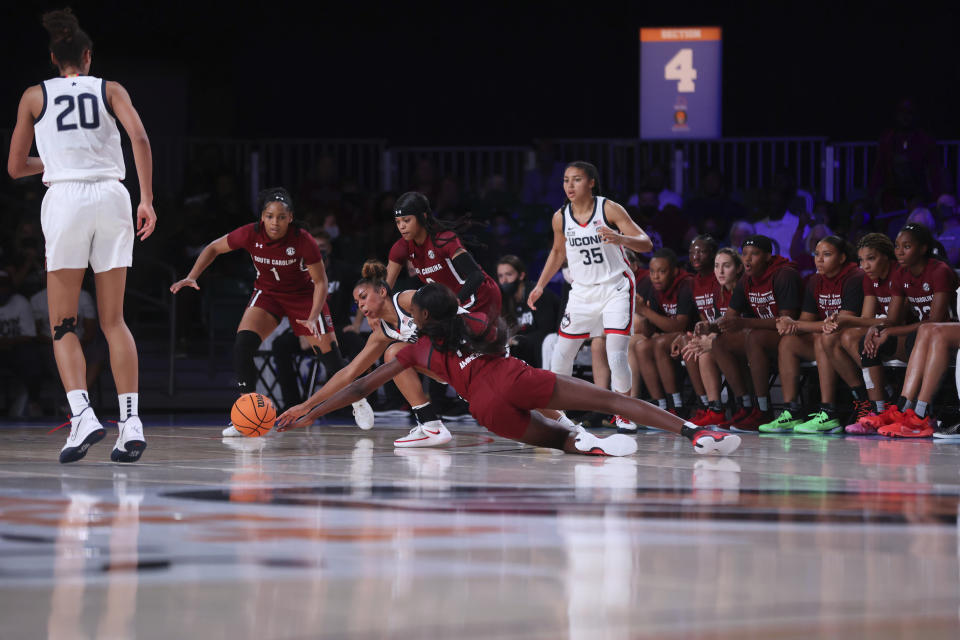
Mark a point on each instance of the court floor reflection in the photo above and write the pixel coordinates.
(332, 533)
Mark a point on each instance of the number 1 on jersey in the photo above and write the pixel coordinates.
(276, 274)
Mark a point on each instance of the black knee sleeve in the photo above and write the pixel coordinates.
(245, 347)
(332, 360)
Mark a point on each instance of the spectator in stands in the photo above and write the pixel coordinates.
(656, 182)
(712, 208)
(788, 221)
(950, 224)
(835, 290)
(671, 311)
(740, 230)
(528, 327)
(922, 215)
(543, 183)
(907, 163)
(18, 349)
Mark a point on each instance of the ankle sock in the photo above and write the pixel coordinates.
(662, 403)
(920, 409)
(763, 403)
(129, 405)
(746, 402)
(677, 400)
(79, 400)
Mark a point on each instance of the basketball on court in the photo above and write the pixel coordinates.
(253, 414)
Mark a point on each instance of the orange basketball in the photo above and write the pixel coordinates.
(253, 415)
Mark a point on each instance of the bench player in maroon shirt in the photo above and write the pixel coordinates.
(670, 311)
(701, 255)
(771, 287)
(291, 281)
(835, 290)
(839, 352)
(923, 293)
(467, 351)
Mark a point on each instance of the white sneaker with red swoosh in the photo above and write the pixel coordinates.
(430, 434)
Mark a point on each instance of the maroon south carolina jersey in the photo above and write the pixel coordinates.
(459, 369)
(936, 277)
(778, 288)
(435, 264)
(721, 300)
(843, 292)
(281, 264)
(704, 294)
(677, 300)
(880, 289)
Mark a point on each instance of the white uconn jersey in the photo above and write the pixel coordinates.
(76, 132)
(590, 260)
(406, 329)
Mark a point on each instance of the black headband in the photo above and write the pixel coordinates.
(760, 242)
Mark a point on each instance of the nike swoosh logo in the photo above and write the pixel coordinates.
(433, 433)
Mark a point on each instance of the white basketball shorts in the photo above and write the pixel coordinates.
(87, 223)
(599, 309)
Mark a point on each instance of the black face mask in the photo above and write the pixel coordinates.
(509, 288)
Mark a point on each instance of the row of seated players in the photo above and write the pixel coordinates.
(737, 315)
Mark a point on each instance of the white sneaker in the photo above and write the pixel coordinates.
(363, 414)
(624, 426)
(616, 445)
(85, 431)
(231, 432)
(432, 434)
(130, 443)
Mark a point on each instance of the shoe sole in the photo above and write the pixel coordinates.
(904, 435)
(744, 429)
(790, 430)
(421, 442)
(72, 454)
(616, 445)
(133, 451)
(837, 429)
(723, 447)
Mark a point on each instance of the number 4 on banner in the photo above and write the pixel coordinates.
(681, 68)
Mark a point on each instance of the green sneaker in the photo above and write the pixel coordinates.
(819, 422)
(784, 423)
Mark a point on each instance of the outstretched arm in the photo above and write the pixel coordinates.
(211, 251)
(353, 392)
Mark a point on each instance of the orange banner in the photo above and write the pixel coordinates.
(679, 34)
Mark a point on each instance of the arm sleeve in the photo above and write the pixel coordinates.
(398, 252)
(809, 299)
(787, 287)
(738, 299)
(852, 297)
(240, 238)
(471, 273)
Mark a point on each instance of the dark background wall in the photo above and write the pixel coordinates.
(496, 72)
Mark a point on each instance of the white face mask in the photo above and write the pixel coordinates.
(333, 230)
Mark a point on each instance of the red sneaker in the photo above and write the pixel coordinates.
(708, 418)
(890, 415)
(738, 415)
(912, 426)
(698, 415)
(752, 421)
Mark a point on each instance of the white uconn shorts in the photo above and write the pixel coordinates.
(599, 309)
(87, 223)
